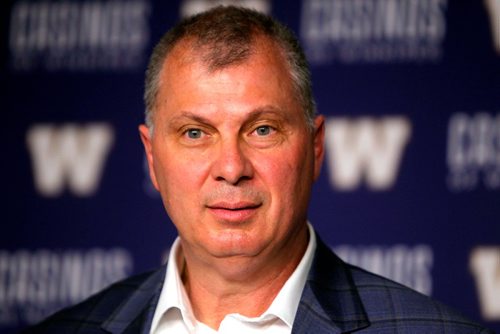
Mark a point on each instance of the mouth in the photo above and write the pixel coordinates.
(237, 212)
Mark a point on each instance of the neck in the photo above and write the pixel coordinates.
(215, 291)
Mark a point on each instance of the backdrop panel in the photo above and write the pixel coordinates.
(411, 183)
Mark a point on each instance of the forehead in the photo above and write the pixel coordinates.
(264, 72)
(217, 56)
(262, 54)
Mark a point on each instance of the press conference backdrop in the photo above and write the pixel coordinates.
(410, 187)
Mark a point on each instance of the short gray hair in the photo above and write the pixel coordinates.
(225, 35)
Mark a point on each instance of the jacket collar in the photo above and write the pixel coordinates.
(330, 301)
(135, 314)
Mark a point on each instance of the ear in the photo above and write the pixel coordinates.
(319, 144)
(148, 149)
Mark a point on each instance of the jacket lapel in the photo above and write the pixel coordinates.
(330, 302)
(135, 314)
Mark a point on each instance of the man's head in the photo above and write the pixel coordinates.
(232, 153)
(224, 36)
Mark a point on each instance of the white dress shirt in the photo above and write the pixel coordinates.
(174, 314)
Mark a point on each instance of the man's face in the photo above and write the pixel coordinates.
(231, 154)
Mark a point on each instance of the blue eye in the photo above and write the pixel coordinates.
(263, 130)
(194, 133)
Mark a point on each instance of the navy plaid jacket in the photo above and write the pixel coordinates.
(337, 298)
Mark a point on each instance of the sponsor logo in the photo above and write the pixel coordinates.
(78, 35)
(473, 151)
(373, 31)
(365, 148)
(485, 267)
(493, 8)
(68, 155)
(192, 7)
(411, 266)
(34, 284)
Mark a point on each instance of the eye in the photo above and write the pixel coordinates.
(194, 133)
(263, 130)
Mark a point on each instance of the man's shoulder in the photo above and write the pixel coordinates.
(92, 312)
(346, 297)
(390, 304)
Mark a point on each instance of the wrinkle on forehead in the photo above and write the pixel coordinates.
(185, 65)
(189, 51)
(186, 54)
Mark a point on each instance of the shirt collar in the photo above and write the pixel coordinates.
(173, 295)
(287, 301)
(284, 305)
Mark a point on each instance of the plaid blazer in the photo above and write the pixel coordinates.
(337, 298)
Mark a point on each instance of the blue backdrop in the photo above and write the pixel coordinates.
(411, 183)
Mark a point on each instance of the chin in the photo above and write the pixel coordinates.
(237, 245)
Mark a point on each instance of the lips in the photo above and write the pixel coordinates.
(234, 212)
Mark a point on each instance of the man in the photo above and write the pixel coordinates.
(234, 146)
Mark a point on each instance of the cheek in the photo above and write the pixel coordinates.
(182, 177)
(179, 176)
(286, 174)
(180, 190)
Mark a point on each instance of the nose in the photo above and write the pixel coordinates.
(231, 164)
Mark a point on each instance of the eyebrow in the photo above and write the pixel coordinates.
(191, 116)
(251, 116)
(267, 110)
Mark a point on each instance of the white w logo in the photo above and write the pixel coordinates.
(493, 7)
(365, 147)
(485, 266)
(69, 154)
